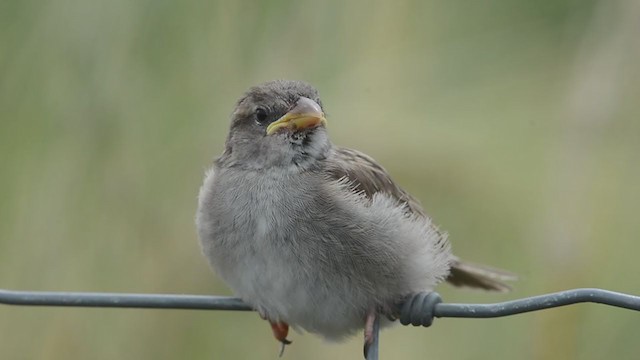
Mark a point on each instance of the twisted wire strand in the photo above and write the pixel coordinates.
(422, 308)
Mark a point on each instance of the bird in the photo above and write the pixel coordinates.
(312, 235)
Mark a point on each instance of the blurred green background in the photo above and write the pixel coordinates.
(515, 122)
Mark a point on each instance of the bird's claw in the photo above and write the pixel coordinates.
(365, 348)
(280, 332)
(283, 344)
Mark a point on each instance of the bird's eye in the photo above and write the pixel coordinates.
(261, 116)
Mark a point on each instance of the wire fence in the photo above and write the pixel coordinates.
(419, 310)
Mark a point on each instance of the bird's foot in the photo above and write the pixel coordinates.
(369, 331)
(280, 332)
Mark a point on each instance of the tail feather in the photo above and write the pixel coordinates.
(465, 274)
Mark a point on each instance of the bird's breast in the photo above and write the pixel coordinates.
(251, 228)
(253, 215)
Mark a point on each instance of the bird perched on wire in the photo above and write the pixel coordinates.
(313, 235)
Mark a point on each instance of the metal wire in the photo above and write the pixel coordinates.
(115, 300)
(422, 308)
(418, 310)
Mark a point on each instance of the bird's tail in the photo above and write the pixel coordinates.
(477, 276)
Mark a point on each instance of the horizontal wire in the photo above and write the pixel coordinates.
(121, 300)
(541, 302)
(415, 305)
(418, 310)
(422, 308)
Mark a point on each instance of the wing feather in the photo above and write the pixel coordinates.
(366, 176)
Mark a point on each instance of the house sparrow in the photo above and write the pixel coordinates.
(313, 235)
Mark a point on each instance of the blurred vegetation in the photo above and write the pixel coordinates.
(515, 122)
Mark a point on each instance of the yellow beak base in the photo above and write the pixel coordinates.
(296, 122)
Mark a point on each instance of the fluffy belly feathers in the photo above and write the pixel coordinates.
(298, 266)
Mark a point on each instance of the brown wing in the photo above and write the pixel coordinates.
(367, 176)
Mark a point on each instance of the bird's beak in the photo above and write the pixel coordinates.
(307, 113)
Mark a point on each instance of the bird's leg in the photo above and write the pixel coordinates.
(368, 330)
(280, 332)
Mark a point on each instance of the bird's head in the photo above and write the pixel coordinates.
(277, 124)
